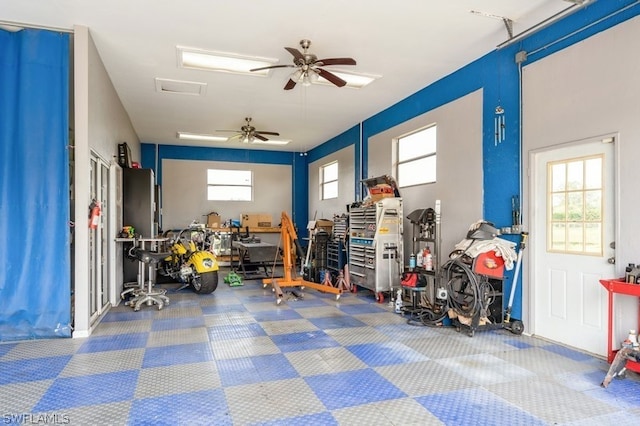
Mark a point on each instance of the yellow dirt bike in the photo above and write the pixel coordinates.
(192, 261)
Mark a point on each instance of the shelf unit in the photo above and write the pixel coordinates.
(426, 229)
(616, 286)
(426, 232)
(335, 256)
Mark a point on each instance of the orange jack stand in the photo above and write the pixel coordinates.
(343, 281)
(288, 238)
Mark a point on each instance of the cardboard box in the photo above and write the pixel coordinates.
(213, 220)
(327, 225)
(380, 191)
(254, 220)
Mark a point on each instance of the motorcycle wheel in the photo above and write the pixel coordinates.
(207, 283)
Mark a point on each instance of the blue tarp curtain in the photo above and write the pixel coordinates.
(35, 272)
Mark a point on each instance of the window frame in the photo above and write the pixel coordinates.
(229, 184)
(417, 158)
(325, 183)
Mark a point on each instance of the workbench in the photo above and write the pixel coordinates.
(255, 260)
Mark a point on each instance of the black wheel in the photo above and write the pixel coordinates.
(517, 327)
(206, 283)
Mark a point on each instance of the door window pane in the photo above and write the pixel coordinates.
(575, 205)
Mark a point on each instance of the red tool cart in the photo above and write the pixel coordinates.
(617, 286)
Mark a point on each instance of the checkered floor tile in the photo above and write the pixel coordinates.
(236, 357)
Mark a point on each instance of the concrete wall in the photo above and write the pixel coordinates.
(325, 209)
(459, 167)
(589, 89)
(100, 123)
(184, 193)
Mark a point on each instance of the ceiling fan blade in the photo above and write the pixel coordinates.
(297, 55)
(290, 85)
(335, 61)
(258, 136)
(271, 66)
(331, 77)
(267, 133)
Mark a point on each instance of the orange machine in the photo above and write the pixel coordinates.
(289, 241)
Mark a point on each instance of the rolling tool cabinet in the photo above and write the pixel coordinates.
(376, 255)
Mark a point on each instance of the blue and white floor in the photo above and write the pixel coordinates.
(234, 357)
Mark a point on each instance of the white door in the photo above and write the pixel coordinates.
(98, 243)
(572, 235)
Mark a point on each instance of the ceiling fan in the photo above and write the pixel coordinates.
(309, 67)
(248, 133)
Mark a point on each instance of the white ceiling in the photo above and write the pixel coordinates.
(410, 43)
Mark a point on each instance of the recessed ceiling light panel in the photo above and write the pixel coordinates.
(200, 59)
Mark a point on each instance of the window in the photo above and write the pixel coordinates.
(229, 185)
(329, 181)
(417, 158)
(575, 206)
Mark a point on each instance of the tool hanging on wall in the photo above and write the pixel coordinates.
(499, 126)
(515, 212)
(516, 275)
(94, 214)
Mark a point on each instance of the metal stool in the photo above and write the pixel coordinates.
(145, 293)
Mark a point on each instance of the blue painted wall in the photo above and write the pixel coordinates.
(496, 73)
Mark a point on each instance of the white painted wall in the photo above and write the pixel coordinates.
(586, 90)
(325, 209)
(100, 123)
(459, 168)
(184, 193)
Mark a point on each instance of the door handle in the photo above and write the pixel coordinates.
(612, 259)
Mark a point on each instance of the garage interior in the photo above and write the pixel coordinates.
(451, 243)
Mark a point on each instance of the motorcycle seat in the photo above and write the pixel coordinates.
(148, 256)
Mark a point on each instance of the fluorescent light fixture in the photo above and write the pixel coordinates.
(200, 137)
(271, 142)
(213, 138)
(200, 59)
(354, 80)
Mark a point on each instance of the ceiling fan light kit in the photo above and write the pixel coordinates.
(308, 70)
(309, 67)
(249, 134)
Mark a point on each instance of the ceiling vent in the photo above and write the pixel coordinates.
(165, 85)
